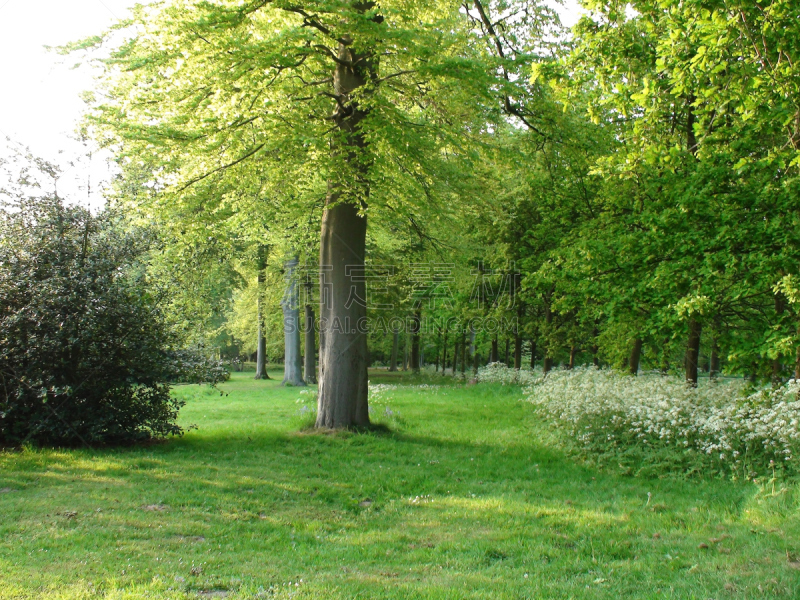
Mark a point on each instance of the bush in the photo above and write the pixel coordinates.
(653, 424)
(85, 354)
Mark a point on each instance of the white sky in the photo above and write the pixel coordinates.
(39, 98)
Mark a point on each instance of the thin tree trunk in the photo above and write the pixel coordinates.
(547, 363)
(415, 357)
(508, 351)
(444, 351)
(635, 357)
(797, 359)
(292, 364)
(438, 345)
(494, 357)
(693, 351)
(310, 371)
(517, 351)
(573, 351)
(395, 349)
(595, 348)
(463, 352)
(533, 354)
(472, 339)
(405, 351)
(777, 366)
(261, 348)
(455, 356)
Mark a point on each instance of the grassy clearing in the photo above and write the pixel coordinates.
(463, 499)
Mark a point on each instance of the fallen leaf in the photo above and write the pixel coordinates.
(155, 507)
(703, 546)
(365, 502)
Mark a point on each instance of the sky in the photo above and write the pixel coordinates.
(40, 102)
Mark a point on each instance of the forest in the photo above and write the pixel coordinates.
(373, 226)
(623, 194)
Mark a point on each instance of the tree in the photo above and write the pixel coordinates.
(266, 98)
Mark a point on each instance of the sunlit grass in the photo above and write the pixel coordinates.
(464, 498)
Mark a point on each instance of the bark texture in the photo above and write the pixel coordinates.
(343, 381)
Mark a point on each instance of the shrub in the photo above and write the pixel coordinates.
(85, 354)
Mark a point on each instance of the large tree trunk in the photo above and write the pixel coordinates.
(395, 349)
(693, 351)
(415, 357)
(292, 363)
(261, 351)
(310, 370)
(343, 385)
(635, 357)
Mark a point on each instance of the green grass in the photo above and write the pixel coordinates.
(464, 498)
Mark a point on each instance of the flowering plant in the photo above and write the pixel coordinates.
(653, 422)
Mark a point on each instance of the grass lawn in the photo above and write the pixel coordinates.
(466, 497)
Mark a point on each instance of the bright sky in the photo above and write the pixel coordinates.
(40, 101)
